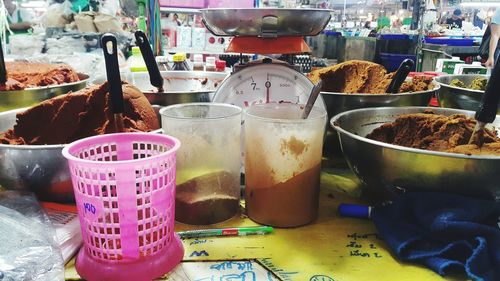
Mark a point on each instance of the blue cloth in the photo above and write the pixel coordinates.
(443, 232)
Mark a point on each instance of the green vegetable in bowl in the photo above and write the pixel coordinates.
(457, 83)
(478, 83)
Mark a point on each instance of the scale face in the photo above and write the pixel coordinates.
(266, 83)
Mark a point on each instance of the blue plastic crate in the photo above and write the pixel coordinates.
(394, 36)
(332, 33)
(450, 41)
(391, 62)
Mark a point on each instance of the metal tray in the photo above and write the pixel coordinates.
(265, 22)
(30, 96)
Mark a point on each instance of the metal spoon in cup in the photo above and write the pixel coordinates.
(312, 99)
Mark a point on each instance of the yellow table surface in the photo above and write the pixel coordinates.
(331, 248)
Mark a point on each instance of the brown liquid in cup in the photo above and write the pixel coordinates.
(204, 200)
(287, 204)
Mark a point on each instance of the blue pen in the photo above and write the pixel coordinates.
(355, 210)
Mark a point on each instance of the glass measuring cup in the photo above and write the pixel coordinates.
(282, 163)
(208, 162)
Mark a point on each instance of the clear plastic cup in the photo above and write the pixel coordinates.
(208, 163)
(282, 163)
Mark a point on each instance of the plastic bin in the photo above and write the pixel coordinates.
(449, 41)
(394, 37)
(124, 187)
(392, 61)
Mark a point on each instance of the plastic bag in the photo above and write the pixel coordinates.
(57, 15)
(29, 250)
(25, 45)
(110, 7)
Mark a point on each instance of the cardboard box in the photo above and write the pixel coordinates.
(447, 65)
(85, 22)
(106, 23)
(475, 68)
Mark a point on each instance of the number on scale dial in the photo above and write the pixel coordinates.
(265, 83)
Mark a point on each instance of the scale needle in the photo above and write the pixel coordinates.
(268, 85)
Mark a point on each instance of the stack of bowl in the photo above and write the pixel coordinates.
(386, 168)
(341, 102)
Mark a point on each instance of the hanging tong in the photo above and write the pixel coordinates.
(3, 69)
(155, 77)
(110, 49)
(400, 76)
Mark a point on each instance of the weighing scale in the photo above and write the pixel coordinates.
(266, 31)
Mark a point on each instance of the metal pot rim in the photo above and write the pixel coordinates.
(439, 78)
(334, 125)
(83, 79)
(436, 88)
(27, 146)
(176, 92)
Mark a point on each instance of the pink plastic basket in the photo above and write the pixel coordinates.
(124, 187)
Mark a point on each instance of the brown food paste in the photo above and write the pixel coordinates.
(66, 118)
(436, 132)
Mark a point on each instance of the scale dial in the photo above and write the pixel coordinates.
(266, 83)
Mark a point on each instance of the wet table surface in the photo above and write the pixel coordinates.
(330, 248)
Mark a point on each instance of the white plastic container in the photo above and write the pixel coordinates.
(210, 64)
(184, 36)
(198, 62)
(198, 38)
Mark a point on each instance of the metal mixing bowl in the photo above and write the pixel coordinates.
(388, 167)
(40, 168)
(27, 97)
(265, 22)
(341, 102)
(456, 97)
(180, 86)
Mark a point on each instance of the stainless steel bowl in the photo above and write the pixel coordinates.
(27, 97)
(266, 22)
(456, 97)
(388, 167)
(180, 86)
(40, 168)
(341, 102)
